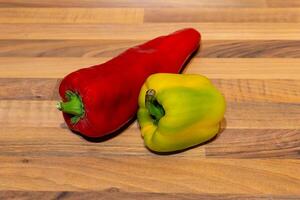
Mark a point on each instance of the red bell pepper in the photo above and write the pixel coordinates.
(100, 99)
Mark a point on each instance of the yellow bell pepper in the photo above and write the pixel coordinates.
(177, 111)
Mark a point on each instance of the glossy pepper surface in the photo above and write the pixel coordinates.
(99, 100)
(177, 111)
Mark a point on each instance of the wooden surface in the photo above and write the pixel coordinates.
(250, 50)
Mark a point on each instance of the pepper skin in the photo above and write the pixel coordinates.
(178, 111)
(101, 99)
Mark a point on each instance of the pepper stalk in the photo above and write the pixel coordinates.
(155, 109)
(72, 106)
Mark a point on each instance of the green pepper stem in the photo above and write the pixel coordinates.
(154, 108)
(73, 106)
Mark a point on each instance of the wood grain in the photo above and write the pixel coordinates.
(72, 15)
(210, 31)
(222, 15)
(255, 143)
(47, 67)
(30, 114)
(50, 141)
(65, 48)
(230, 143)
(263, 115)
(109, 48)
(254, 90)
(136, 15)
(29, 89)
(240, 68)
(133, 3)
(155, 174)
(115, 193)
(280, 4)
(249, 49)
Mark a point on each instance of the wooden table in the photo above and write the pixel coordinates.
(251, 51)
